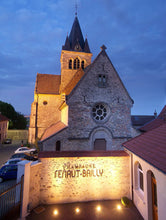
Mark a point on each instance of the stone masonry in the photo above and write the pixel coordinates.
(79, 179)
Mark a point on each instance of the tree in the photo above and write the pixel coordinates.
(16, 119)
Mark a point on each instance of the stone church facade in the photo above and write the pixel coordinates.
(87, 107)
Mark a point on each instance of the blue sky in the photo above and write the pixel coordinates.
(134, 32)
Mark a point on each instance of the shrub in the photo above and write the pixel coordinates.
(125, 201)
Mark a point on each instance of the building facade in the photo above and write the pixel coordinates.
(86, 107)
(148, 168)
(82, 118)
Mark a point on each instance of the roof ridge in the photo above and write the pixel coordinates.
(46, 134)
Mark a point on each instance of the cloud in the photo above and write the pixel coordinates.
(33, 32)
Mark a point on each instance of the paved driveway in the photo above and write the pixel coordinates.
(6, 151)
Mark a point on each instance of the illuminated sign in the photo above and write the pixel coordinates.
(78, 170)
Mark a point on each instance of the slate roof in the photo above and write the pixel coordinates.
(151, 147)
(161, 118)
(140, 120)
(55, 128)
(3, 118)
(76, 38)
(49, 154)
(47, 84)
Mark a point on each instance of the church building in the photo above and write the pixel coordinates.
(86, 107)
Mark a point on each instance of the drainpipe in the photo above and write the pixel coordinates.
(36, 130)
(132, 194)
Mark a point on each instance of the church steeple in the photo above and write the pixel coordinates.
(75, 55)
(75, 41)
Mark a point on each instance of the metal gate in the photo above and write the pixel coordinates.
(10, 201)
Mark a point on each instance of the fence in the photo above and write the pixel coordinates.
(10, 200)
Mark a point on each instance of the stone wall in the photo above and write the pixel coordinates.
(34, 191)
(18, 135)
(71, 179)
(83, 129)
(66, 73)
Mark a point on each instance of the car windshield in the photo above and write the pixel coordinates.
(14, 161)
(17, 156)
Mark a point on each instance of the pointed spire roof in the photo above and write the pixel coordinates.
(75, 40)
(67, 43)
(86, 46)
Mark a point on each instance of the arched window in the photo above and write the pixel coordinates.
(70, 64)
(140, 178)
(76, 63)
(83, 64)
(58, 146)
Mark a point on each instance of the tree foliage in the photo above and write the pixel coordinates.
(16, 119)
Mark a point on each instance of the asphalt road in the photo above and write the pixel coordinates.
(6, 151)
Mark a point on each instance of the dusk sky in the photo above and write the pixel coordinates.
(32, 33)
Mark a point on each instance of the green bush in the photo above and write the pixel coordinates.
(125, 201)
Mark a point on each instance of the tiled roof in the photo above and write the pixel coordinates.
(140, 120)
(53, 129)
(47, 84)
(151, 147)
(3, 118)
(73, 82)
(161, 118)
(162, 113)
(49, 154)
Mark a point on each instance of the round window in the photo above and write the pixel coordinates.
(99, 112)
(44, 102)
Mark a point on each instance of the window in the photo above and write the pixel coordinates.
(101, 80)
(70, 64)
(140, 178)
(76, 63)
(83, 64)
(44, 102)
(58, 146)
(99, 112)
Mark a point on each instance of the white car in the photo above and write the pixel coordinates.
(26, 150)
(13, 161)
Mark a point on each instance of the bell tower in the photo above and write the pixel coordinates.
(75, 54)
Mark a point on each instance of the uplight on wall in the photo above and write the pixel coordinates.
(98, 208)
(55, 212)
(119, 207)
(77, 210)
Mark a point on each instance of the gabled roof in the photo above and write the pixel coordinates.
(47, 84)
(53, 129)
(3, 118)
(88, 68)
(161, 118)
(151, 147)
(73, 82)
(75, 41)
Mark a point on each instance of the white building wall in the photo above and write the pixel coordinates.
(141, 199)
